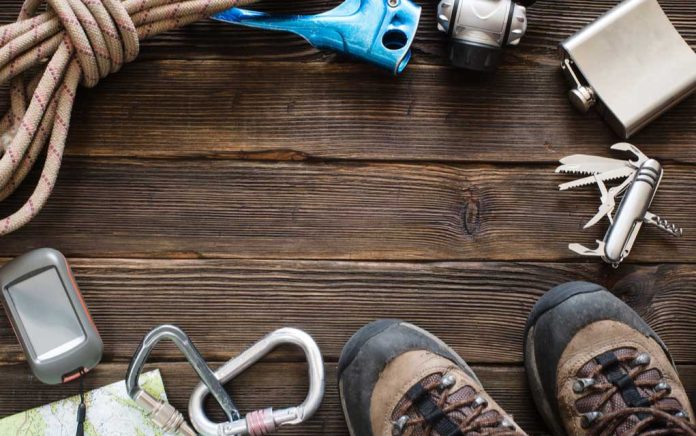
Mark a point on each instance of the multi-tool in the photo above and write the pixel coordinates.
(641, 179)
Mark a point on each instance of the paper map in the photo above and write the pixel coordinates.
(110, 411)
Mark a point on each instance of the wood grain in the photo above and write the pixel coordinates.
(204, 208)
(550, 21)
(478, 308)
(276, 384)
(257, 110)
(262, 99)
(233, 181)
(264, 385)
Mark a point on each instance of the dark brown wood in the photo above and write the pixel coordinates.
(233, 181)
(550, 21)
(274, 384)
(285, 101)
(367, 211)
(267, 384)
(297, 111)
(478, 308)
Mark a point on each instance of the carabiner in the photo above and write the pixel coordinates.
(161, 412)
(265, 421)
(377, 31)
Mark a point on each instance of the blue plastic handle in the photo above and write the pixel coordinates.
(377, 31)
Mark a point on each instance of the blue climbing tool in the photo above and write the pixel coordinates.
(377, 31)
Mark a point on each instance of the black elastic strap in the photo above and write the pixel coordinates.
(626, 385)
(453, 17)
(431, 413)
(82, 408)
(607, 360)
(508, 26)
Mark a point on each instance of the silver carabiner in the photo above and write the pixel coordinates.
(264, 421)
(162, 413)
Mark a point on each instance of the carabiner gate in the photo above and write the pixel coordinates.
(264, 421)
(256, 423)
(162, 413)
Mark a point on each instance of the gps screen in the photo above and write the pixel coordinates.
(46, 313)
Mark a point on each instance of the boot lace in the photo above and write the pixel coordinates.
(621, 394)
(465, 408)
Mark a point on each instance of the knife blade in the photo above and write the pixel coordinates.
(586, 164)
(584, 251)
(605, 208)
(609, 175)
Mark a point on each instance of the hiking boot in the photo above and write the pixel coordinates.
(397, 379)
(595, 367)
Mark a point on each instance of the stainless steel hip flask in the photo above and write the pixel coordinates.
(631, 63)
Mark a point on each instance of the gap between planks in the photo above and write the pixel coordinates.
(372, 211)
(225, 305)
(279, 385)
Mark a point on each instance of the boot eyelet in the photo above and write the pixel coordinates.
(479, 401)
(399, 425)
(682, 414)
(447, 381)
(507, 423)
(582, 384)
(589, 418)
(642, 359)
(663, 386)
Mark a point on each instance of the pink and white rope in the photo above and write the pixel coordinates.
(260, 422)
(76, 41)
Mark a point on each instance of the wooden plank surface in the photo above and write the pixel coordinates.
(225, 305)
(277, 384)
(298, 111)
(269, 96)
(234, 181)
(364, 211)
(264, 385)
(550, 21)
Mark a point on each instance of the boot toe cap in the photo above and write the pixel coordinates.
(365, 356)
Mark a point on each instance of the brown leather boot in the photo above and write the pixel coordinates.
(596, 368)
(397, 379)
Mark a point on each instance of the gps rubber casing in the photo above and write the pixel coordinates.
(45, 273)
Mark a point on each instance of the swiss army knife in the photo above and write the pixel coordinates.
(641, 178)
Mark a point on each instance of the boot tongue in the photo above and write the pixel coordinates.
(433, 401)
(644, 384)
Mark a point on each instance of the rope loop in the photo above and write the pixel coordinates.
(99, 33)
(74, 41)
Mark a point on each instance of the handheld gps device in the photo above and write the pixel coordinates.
(49, 316)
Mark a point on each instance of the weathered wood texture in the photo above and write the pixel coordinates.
(233, 181)
(550, 21)
(354, 211)
(304, 111)
(279, 384)
(478, 308)
(269, 96)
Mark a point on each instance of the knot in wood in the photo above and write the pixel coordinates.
(471, 215)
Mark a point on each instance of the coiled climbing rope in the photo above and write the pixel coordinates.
(76, 41)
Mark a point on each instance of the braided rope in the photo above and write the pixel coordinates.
(260, 422)
(78, 41)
